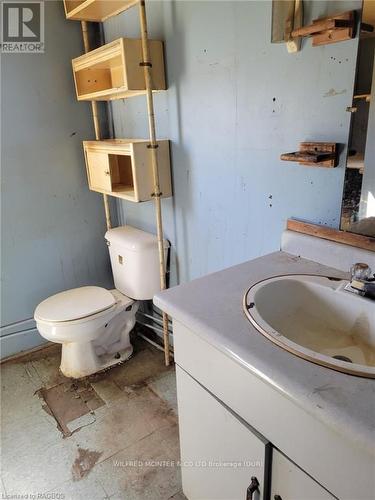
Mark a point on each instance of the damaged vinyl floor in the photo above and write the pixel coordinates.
(112, 435)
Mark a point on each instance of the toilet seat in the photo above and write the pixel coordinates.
(75, 304)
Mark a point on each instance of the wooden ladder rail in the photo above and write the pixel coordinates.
(146, 63)
(95, 117)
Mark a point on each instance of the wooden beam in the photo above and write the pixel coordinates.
(328, 233)
(146, 63)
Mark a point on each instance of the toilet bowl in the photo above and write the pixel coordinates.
(92, 323)
(93, 326)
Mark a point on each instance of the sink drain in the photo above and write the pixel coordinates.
(342, 358)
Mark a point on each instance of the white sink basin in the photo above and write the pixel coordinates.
(317, 319)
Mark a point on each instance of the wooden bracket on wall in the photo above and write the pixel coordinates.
(315, 154)
(336, 28)
(287, 15)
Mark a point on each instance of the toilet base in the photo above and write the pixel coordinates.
(117, 359)
(80, 360)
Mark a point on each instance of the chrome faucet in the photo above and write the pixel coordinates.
(362, 281)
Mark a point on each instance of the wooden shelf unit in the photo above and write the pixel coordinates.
(135, 170)
(113, 71)
(95, 10)
(122, 168)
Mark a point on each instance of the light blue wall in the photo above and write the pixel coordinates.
(235, 102)
(232, 195)
(52, 225)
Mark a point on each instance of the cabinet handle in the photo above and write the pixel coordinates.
(106, 172)
(252, 488)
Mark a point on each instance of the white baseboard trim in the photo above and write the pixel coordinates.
(16, 342)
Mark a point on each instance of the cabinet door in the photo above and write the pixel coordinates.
(289, 482)
(98, 171)
(219, 452)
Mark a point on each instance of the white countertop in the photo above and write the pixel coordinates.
(212, 308)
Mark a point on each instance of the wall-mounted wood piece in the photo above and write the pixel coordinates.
(316, 154)
(95, 10)
(356, 162)
(331, 29)
(282, 19)
(293, 44)
(368, 13)
(122, 168)
(364, 97)
(287, 15)
(114, 71)
(328, 233)
(366, 29)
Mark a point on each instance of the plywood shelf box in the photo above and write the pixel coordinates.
(92, 10)
(122, 168)
(113, 71)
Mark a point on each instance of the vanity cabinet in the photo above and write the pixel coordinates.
(219, 453)
(289, 482)
(227, 412)
(222, 456)
(123, 168)
(114, 71)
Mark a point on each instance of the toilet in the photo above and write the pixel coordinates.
(93, 323)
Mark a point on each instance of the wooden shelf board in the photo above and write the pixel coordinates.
(328, 233)
(103, 54)
(112, 94)
(315, 154)
(95, 10)
(123, 188)
(128, 194)
(115, 146)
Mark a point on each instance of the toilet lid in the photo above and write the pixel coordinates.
(74, 304)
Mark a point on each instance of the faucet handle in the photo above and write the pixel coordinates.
(360, 271)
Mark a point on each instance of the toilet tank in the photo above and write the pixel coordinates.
(135, 261)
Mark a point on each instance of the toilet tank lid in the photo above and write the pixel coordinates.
(133, 238)
(74, 304)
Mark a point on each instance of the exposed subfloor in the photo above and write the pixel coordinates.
(112, 435)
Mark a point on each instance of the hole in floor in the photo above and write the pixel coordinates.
(71, 404)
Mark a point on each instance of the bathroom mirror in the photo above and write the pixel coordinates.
(358, 205)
